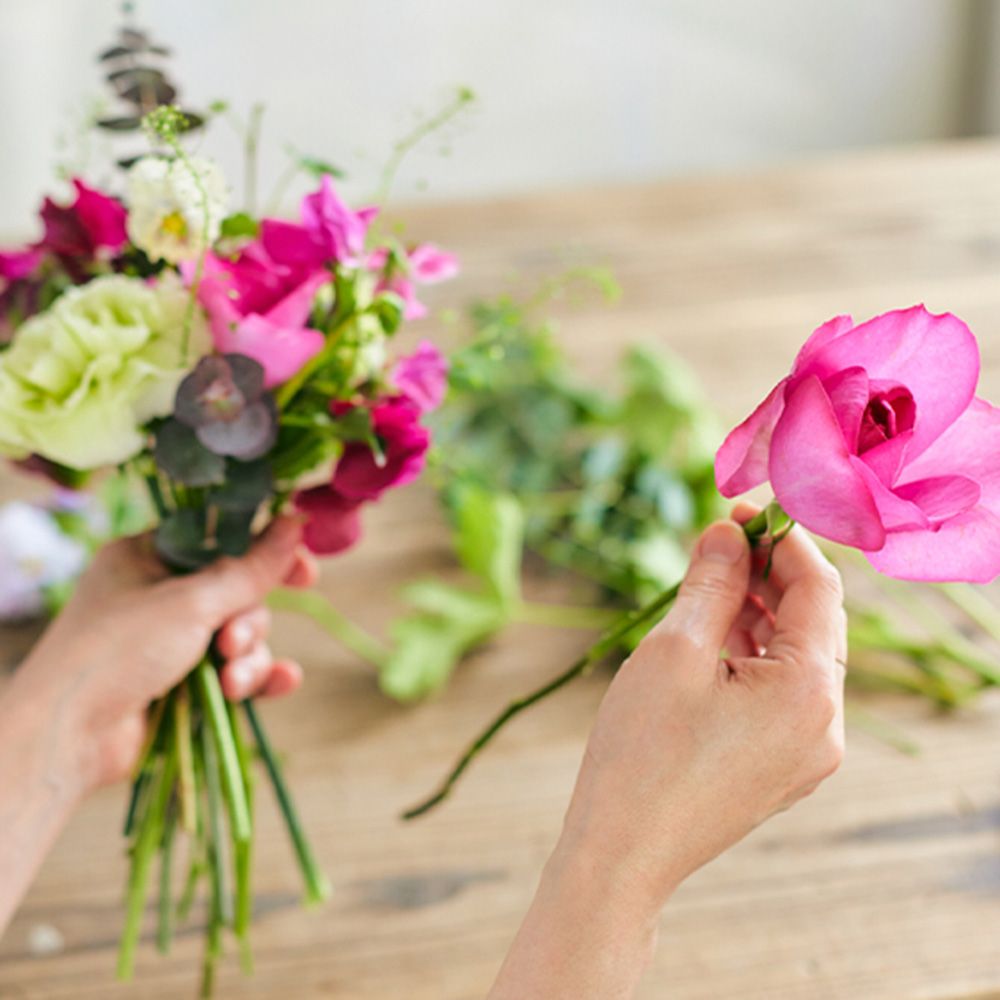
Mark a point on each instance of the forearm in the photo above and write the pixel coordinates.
(38, 785)
(587, 936)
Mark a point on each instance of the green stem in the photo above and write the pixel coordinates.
(881, 730)
(187, 788)
(609, 641)
(950, 641)
(771, 522)
(314, 605)
(976, 605)
(564, 615)
(244, 852)
(214, 705)
(409, 142)
(287, 392)
(165, 925)
(147, 841)
(317, 886)
(221, 901)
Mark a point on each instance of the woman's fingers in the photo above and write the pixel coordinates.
(304, 571)
(257, 674)
(809, 625)
(241, 634)
(285, 677)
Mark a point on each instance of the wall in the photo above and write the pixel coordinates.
(571, 91)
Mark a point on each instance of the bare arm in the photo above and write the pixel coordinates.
(689, 753)
(73, 716)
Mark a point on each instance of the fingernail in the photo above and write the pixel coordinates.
(240, 679)
(723, 542)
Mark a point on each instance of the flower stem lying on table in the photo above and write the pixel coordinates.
(771, 523)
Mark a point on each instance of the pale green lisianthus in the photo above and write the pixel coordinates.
(80, 380)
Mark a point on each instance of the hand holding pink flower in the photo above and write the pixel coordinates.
(875, 440)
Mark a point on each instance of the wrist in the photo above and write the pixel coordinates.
(44, 734)
(587, 936)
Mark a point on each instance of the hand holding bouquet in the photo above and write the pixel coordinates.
(225, 360)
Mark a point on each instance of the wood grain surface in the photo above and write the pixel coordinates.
(885, 885)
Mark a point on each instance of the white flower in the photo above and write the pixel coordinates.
(175, 206)
(80, 380)
(34, 554)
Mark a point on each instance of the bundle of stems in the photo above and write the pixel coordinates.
(196, 776)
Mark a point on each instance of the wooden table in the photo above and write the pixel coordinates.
(885, 884)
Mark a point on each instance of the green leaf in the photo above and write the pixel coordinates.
(317, 168)
(247, 485)
(489, 538)
(184, 458)
(430, 643)
(238, 225)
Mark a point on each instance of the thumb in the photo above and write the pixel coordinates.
(232, 585)
(714, 589)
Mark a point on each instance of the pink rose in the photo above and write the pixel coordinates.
(422, 377)
(330, 231)
(260, 308)
(875, 440)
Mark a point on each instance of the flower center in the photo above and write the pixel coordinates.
(174, 225)
(888, 413)
(222, 400)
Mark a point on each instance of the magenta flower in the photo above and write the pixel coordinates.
(422, 377)
(16, 265)
(361, 475)
(334, 509)
(93, 226)
(425, 265)
(330, 231)
(334, 521)
(260, 308)
(875, 440)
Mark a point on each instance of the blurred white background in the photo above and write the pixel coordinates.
(571, 92)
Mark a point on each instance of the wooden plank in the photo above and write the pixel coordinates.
(885, 884)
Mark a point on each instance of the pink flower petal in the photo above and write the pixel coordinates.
(18, 264)
(289, 243)
(102, 217)
(429, 265)
(819, 338)
(741, 462)
(966, 547)
(294, 309)
(281, 350)
(422, 377)
(897, 513)
(935, 357)
(942, 497)
(334, 521)
(812, 474)
(847, 391)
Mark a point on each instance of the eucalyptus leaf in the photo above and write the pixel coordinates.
(180, 454)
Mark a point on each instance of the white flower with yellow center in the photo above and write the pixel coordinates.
(175, 206)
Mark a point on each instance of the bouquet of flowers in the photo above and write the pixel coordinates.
(238, 367)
